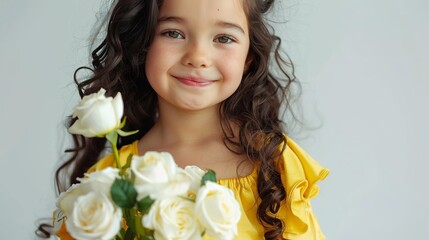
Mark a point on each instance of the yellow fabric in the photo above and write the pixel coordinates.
(299, 173)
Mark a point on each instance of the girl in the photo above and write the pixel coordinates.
(196, 81)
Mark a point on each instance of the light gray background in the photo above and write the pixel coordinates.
(364, 68)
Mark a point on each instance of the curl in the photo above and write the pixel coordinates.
(255, 109)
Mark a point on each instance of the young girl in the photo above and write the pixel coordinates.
(197, 81)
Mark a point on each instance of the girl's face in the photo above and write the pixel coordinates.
(198, 53)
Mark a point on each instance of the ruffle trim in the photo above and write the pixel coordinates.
(300, 173)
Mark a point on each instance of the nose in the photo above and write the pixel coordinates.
(197, 55)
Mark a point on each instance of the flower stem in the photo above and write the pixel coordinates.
(116, 154)
(129, 215)
(112, 137)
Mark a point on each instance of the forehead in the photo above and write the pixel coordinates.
(205, 11)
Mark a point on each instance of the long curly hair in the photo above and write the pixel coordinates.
(118, 65)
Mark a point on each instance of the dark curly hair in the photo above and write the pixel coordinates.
(118, 65)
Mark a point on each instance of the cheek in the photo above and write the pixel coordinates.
(157, 62)
(232, 65)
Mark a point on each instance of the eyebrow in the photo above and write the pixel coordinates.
(218, 23)
(171, 19)
(230, 25)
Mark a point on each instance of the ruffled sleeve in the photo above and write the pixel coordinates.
(300, 173)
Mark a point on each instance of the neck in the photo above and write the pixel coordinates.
(187, 127)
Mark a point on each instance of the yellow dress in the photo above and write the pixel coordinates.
(299, 173)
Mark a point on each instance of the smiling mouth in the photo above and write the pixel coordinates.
(194, 82)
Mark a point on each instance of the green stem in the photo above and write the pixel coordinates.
(116, 154)
(129, 215)
(112, 137)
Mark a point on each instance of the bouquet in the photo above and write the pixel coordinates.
(150, 197)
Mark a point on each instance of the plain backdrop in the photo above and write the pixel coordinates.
(363, 65)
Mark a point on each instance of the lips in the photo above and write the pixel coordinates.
(194, 82)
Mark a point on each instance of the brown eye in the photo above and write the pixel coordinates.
(173, 34)
(224, 39)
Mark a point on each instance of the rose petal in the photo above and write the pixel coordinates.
(118, 107)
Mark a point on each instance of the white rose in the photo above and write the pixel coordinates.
(172, 218)
(157, 175)
(101, 180)
(97, 115)
(195, 174)
(90, 212)
(217, 211)
(94, 216)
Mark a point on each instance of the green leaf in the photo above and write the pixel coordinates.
(123, 122)
(126, 134)
(123, 193)
(112, 137)
(145, 204)
(128, 164)
(210, 175)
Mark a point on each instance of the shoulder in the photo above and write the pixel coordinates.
(300, 174)
(109, 160)
(297, 166)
